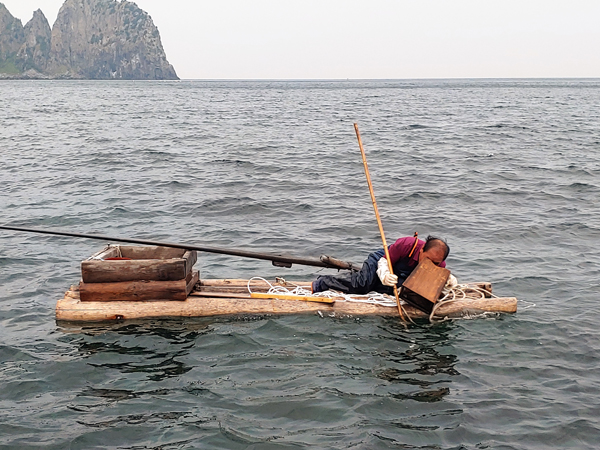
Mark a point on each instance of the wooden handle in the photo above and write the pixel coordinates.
(385, 247)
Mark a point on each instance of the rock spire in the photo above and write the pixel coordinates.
(91, 39)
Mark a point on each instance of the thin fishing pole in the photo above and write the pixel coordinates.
(385, 247)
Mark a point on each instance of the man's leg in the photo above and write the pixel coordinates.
(361, 282)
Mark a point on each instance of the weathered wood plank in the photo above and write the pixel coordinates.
(424, 285)
(190, 257)
(483, 285)
(303, 298)
(232, 289)
(134, 270)
(138, 269)
(138, 290)
(213, 294)
(150, 252)
(244, 282)
(109, 251)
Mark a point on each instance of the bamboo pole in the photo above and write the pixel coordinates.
(385, 247)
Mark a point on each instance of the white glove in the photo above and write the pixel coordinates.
(383, 272)
(451, 282)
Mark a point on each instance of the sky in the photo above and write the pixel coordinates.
(370, 39)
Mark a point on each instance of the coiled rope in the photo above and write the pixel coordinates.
(458, 292)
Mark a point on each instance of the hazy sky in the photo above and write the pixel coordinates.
(210, 39)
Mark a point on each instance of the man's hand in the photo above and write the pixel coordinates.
(389, 280)
(452, 281)
(383, 272)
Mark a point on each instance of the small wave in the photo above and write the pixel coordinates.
(583, 187)
(173, 184)
(235, 162)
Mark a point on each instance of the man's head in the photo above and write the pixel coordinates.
(435, 249)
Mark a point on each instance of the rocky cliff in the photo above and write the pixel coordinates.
(91, 39)
(34, 53)
(12, 36)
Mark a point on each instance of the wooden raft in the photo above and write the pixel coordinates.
(230, 297)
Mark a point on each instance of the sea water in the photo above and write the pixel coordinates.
(508, 171)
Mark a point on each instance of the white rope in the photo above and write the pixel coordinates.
(527, 304)
(455, 293)
(373, 298)
(450, 295)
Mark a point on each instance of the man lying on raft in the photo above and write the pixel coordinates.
(406, 253)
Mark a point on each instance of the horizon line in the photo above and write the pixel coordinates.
(388, 79)
(308, 80)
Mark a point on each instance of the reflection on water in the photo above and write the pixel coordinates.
(207, 373)
(95, 343)
(422, 364)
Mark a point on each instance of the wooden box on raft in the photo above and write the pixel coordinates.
(135, 273)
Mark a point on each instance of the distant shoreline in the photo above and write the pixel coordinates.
(42, 77)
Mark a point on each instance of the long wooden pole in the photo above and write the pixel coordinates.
(277, 260)
(385, 247)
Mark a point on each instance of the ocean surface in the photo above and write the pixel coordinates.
(508, 171)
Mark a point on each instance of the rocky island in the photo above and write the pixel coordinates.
(91, 39)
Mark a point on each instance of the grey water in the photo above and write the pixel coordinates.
(508, 171)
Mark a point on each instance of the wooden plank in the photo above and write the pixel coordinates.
(133, 270)
(233, 290)
(303, 298)
(70, 308)
(244, 282)
(109, 251)
(191, 281)
(138, 290)
(151, 252)
(190, 257)
(240, 286)
(213, 294)
(485, 286)
(424, 285)
(155, 269)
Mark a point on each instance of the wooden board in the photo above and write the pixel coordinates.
(302, 298)
(138, 290)
(151, 252)
(72, 309)
(212, 294)
(148, 263)
(424, 285)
